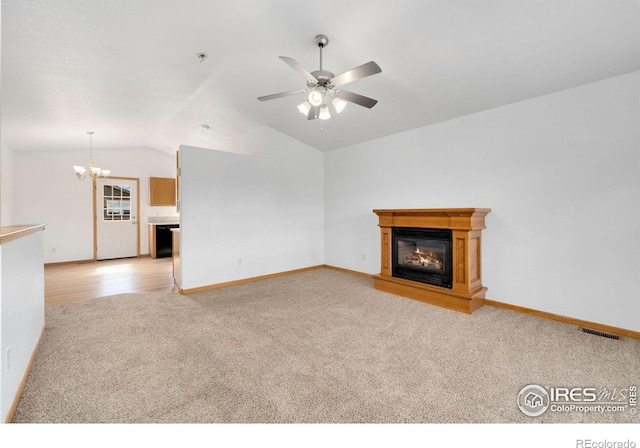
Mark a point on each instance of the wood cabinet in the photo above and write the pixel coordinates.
(152, 242)
(162, 191)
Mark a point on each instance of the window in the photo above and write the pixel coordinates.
(116, 202)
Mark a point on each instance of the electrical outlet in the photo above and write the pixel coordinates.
(364, 257)
(239, 261)
(7, 357)
(53, 250)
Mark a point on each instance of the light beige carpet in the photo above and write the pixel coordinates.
(318, 346)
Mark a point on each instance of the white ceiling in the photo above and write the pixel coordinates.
(129, 70)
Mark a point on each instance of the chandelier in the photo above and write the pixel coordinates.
(94, 172)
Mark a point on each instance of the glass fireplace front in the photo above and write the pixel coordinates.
(422, 255)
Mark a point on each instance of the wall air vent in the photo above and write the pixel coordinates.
(600, 333)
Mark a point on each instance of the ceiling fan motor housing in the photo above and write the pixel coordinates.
(324, 78)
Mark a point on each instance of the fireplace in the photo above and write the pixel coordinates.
(422, 255)
(433, 255)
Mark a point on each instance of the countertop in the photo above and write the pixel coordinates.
(162, 223)
(10, 233)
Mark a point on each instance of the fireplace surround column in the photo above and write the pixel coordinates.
(467, 292)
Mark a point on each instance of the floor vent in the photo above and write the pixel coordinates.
(600, 333)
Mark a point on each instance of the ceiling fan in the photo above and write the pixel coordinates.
(324, 87)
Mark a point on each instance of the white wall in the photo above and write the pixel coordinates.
(244, 215)
(52, 194)
(6, 186)
(561, 174)
(21, 311)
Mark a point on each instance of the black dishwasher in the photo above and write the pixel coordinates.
(164, 240)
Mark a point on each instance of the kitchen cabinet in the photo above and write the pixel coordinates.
(162, 191)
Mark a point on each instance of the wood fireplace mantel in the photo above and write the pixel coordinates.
(467, 292)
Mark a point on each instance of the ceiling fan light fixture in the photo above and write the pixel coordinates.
(324, 112)
(304, 108)
(316, 97)
(339, 104)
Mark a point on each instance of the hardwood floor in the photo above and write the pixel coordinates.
(77, 282)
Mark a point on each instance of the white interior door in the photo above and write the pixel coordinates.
(116, 223)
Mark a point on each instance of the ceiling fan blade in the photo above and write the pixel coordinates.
(296, 66)
(355, 98)
(280, 95)
(313, 113)
(368, 69)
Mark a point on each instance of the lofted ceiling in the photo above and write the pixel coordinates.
(129, 70)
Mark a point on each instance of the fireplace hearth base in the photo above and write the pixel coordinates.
(467, 293)
(431, 294)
